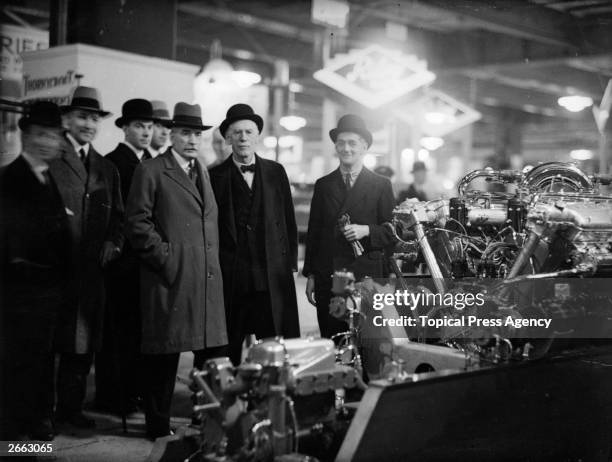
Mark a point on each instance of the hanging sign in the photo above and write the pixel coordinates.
(375, 75)
(438, 114)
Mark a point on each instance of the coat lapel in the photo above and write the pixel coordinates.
(94, 168)
(176, 173)
(71, 158)
(224, 197)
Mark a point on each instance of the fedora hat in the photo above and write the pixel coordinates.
(354, 124)
(86, 99)
(188, 115)
(240, 112)
(160, 113)
(135, 109)
(43, 113)
(418, 165)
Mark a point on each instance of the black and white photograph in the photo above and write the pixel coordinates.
(306, 230)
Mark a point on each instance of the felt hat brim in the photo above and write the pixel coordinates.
(365, 134)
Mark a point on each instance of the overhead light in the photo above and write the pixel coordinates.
(270, 142)
(292, 123)
(438, 117)
(581, 154)
(245, 79)
(423, 155)
(448, 184)
(369, 160)
(408, 153)
(287, 141)
(575, 103)
(432, 143)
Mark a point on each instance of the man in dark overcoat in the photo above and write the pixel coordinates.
(118, 366)
(258, 236)
(35, 265)
(368, 200)
(172, 225)
(89, 187)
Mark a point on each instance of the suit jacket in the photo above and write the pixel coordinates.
(280, 232)
(92, 197)
(173, 227)
(126, 162)
(34, 250)
(369, 202)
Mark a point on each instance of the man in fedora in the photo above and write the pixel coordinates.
(117, 365)
(34, 253)
(258, 236)
(161, 128)
(417, 188)
(367, 199)
(89, 186)
(172, 225)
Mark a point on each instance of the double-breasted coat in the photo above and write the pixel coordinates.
(173, 228)
(92, 196)
(281, 243)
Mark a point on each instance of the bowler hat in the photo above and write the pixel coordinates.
(354, 124)
(418, 165)
(135, 109)
(86, 99)
(240, 112)
(160, 113)
(188, 115)
(43, 113)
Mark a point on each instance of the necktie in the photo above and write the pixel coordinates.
(347, 181)
(46, 177)
(83, 155)
(192, 172)
(146, 155)
(247, 168)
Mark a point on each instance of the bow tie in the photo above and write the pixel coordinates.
(247, 168)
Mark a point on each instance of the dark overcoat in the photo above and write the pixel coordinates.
(281, 243)
(34, 250)
(370, 201)
(173, 228)
(94, 206)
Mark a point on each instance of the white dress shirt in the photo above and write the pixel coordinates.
(248, 176)
(77, 147)
(354, 174)
(185, 164)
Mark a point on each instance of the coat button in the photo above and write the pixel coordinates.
(209, 275)
(249, 227)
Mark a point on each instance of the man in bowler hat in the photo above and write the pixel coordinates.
(417, 188)
(172, 225)
(117, 366)
(367, 199)
(89, 186)
(34, 253)
(258, 236)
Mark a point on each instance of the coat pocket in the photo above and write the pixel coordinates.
(170, 268)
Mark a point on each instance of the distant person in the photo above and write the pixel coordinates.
(385, 171)
(257, 236)
(417, 188)
(221, 149)
(90, 188)
(161, 128)
(34, 253)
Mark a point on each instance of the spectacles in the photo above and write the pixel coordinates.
(350, 143)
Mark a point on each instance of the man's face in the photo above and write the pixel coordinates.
(82, 125)
(243, 136)
(160, 137)
(42, 142)
(350, 148)
(138, 133)
(186, 141)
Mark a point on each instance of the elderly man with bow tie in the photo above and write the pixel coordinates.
(258, 236)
